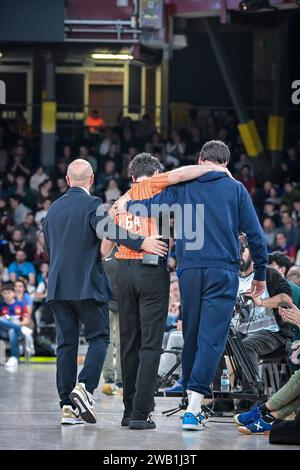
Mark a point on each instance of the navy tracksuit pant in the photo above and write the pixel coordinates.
(208, 296)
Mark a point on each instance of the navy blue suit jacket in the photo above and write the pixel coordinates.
(76, 271)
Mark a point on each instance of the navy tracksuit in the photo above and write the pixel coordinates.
(208, 276)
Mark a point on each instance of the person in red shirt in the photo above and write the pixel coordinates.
(248, 181)
(13, 316)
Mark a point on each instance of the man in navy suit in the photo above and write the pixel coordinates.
(78, 289)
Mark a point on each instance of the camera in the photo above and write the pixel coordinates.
(243, 308)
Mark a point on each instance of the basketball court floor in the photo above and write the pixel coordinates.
(30, 419)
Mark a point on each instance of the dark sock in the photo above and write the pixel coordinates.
(263, 409)
(268, 418)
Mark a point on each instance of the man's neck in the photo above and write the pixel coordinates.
(85, 188)
(141, 178)
(247, 273)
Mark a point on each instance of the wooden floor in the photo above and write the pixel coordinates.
(30, 419)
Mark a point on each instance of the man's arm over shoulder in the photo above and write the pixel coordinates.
(161, 202)
(249, 224)
(105, 227)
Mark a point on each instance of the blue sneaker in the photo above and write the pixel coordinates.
(176, 388)
(243, 419)
(259, 426)
(191, 422)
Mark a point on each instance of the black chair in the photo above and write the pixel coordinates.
(275, 370)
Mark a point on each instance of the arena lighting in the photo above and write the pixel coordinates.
(254, 5)
(1, 55)
(112, 56)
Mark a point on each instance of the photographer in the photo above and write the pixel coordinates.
(259, 321)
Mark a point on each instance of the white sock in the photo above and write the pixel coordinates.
(195, 402)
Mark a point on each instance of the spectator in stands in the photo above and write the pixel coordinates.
(290, 166)
(290, 192)
(61, 168)
(84, 154)
(94, 122)
(41, 214)
(271, 211)
(242, 161)
(28, 229)
(144, 131)
(270, 231)
(112, 192)
(23, 296)
(281, 244)
(248, 181)
(174, 291)
(67, 153)
(62, 187)
(22, 268)
(264, 330)
(18, 166)
(175, 149)
(296, 209)
(22, 190)
(283, 403)
(40, 293)
(38, 178)
(13, 316)
(108, 173)
(4, 274)
(155, 144)
(17, 243)
(19, 209)
(40, 253)
(45, 192)
(283, 264)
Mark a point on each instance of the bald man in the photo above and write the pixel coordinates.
(78, 289)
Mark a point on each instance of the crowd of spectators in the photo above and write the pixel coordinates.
(27, 189)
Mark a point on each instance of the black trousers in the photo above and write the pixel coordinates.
(68, 317)
(261, 343)
(143, 297)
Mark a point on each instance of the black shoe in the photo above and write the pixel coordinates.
(126, 418)
(145, 423)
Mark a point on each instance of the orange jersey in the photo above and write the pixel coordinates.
(94, 123)
(144, 226)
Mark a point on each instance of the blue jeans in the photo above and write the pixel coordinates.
(14, 334)
(207, 297)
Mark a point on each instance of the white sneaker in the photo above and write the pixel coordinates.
(12, 362)
(26, 331)
(84, 401)
(70, 416)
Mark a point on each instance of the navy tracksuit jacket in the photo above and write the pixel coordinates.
(208, 276)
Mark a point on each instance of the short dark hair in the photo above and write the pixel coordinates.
(16, 197)
(215, 151)
(7, 286)
(282, 260)
(144, 164)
